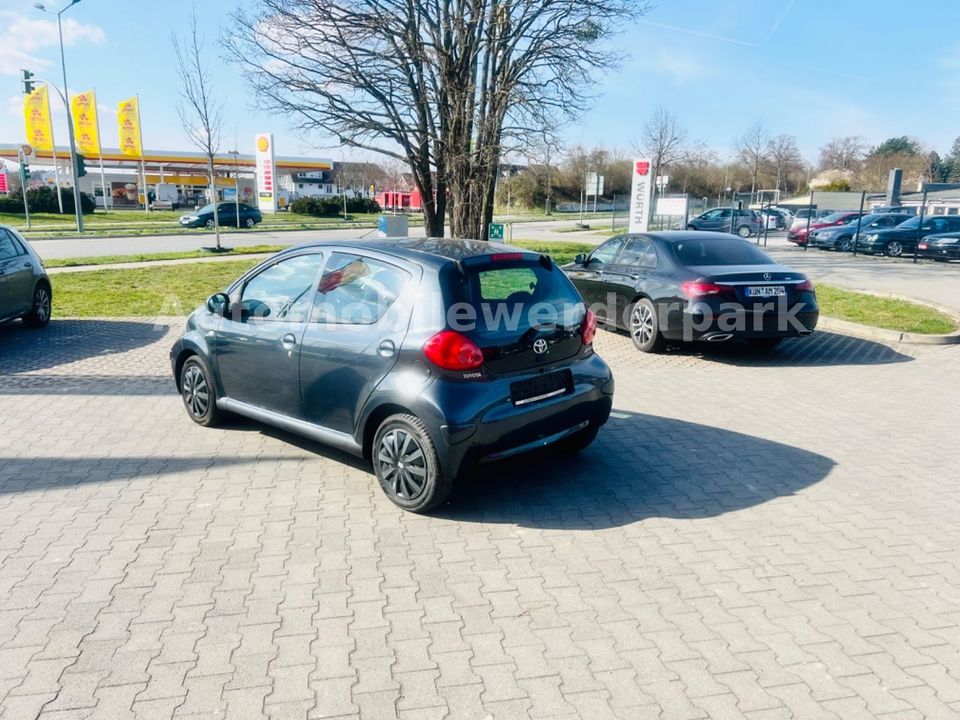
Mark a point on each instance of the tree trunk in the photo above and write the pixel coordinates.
(213, 193)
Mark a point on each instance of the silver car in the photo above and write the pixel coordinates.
(25, 290)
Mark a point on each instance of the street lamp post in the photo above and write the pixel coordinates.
(66, 102)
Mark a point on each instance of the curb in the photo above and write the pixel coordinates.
(889, 336)
(893, 336)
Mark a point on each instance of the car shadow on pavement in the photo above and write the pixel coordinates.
(33, 474)
(640, 467)
(23, 350)
(820, 349)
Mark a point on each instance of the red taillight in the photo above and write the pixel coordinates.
(699, 288)
(805, 286)
(506, 257)
(452, 351)
(589, 328)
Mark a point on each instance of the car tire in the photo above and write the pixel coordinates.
(579, 441)
(211, 224)
(249, 223)
(743, 231)
(691, 227)
(844, 244)
(893, 249)
(407, 466)
(645, 327)
(41, 309)
(198, 392)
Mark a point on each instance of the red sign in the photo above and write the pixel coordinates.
(643, 167)
(4, 188)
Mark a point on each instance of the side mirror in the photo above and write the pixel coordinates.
(580, 259)
(218, 304)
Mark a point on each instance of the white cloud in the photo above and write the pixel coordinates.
(26, 36)
(683, 67)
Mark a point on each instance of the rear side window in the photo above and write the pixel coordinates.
(357, 290)
(518, 297)
(719, 252)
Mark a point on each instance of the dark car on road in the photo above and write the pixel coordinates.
(427, 357)
(728, 220)
(904, 237)
(840, 237)
(694, 286)
(25, 290)
(228, 214)
(940, 247)
(799, 230)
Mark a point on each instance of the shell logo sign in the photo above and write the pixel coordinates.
(266, 193)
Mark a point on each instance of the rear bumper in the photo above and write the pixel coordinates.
(745, 326)
(950, 252)
(483, 425)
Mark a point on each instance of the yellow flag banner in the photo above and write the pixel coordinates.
(86, 129)
(36, 116)
(128, 122)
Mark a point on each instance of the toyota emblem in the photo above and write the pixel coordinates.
(540, 346)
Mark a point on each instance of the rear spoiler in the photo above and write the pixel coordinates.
(476, 261)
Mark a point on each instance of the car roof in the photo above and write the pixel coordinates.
(675, 236)
(428, 251)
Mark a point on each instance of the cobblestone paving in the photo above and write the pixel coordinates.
(751, 537)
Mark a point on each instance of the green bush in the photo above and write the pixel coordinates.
(332, 207)
(44, 200)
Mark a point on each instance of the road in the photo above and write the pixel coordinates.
(937, 283)
(751, 537)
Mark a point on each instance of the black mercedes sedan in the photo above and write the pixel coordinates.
(940, 247)
(904, 237)
(694, 286)
(427, 357)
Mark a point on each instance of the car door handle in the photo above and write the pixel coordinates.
(288, 341)
(386, 349)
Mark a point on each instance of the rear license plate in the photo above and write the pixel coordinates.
(766, 291)
(541, 387)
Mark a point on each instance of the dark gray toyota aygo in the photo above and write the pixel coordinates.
(427, 357)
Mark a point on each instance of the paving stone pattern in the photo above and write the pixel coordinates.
(760, 537)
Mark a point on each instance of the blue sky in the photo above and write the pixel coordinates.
(809, 68)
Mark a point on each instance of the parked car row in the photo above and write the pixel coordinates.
(432, 357)
(890, 233)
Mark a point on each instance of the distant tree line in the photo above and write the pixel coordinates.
(760, 160)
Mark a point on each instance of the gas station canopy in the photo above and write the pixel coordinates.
(175, 162)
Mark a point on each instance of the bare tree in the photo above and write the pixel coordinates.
(662, 139)
(844, 153)
(751, 151)
(442, 85)
(201, 111)
(785, 158)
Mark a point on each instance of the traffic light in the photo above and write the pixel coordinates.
(26, 77)
(81, 163)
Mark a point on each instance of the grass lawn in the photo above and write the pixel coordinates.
(881, 312)
(178, 289)
(153, 257)
(164, 222)
(142, 292)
